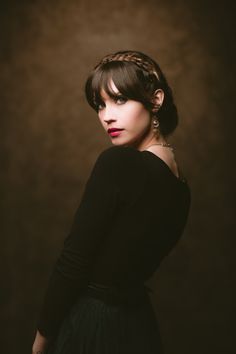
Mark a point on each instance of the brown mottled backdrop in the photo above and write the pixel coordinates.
(50, 139)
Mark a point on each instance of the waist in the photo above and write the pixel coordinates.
(115, 295)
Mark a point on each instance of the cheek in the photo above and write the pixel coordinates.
(140, 117)
(100, 118)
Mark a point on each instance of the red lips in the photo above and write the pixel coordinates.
(111, 130)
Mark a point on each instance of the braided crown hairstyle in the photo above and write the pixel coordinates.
(137, 77)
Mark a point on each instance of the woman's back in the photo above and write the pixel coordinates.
(151, 212)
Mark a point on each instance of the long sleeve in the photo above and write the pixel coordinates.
(131, 215)
(91, 223)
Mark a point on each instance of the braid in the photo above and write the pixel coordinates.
(133, 57)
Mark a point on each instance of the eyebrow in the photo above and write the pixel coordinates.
(112, 95)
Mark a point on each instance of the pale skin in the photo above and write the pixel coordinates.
(138, 132)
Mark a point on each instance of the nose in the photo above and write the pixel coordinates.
(108, 115)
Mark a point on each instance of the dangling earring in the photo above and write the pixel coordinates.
(155, 119)
(155, 125)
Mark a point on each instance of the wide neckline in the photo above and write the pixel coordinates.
(180, 179)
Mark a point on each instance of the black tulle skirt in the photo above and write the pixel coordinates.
(106, 322)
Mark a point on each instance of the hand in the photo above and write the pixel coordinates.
(40, 344)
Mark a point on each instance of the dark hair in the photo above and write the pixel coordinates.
(137, 77)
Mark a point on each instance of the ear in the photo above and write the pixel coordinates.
(157, 100)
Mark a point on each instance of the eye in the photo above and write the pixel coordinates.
(100, 106)
(120, 99)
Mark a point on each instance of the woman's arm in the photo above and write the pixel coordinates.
(91, 225)
(40, 344)
(113, 177)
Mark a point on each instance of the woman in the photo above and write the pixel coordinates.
(133, 211)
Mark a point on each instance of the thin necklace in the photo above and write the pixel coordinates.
(162, 144)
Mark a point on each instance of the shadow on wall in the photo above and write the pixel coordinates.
(51, 138)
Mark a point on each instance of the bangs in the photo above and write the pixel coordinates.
(130, 81)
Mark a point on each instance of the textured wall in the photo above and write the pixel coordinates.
(50, 139)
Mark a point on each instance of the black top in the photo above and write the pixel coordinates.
(132, 213)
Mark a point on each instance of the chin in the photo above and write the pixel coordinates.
(123, 142)
(118, 143)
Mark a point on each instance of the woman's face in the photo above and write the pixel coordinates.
(127, 122)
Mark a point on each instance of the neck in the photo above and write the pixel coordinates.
(149, 142)
(146, 140)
